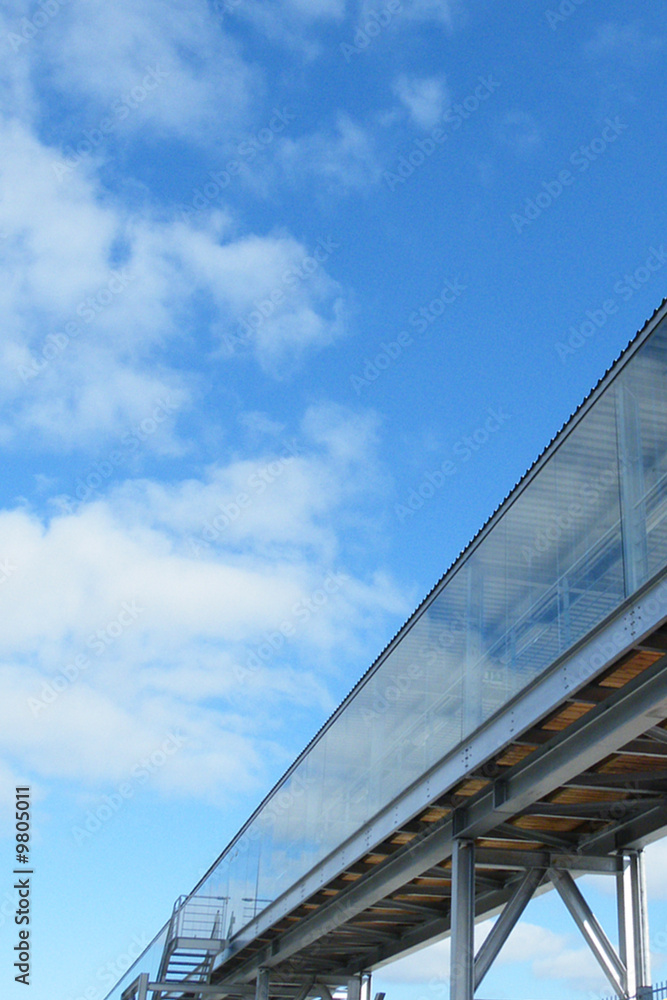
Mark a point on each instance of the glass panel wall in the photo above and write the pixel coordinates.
(585, 533)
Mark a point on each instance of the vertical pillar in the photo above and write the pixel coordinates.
(463, 921)
(624, 908)
(641, 957)
(262, 985)
(142, 991)
(366, 986)
(354, 988)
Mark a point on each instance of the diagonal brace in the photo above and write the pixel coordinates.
(614, 969)
(506, 922)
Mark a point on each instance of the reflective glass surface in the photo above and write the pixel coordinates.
(586, 532)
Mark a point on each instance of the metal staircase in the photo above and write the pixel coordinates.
(195, 936)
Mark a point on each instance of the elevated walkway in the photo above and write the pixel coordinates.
(511, 737)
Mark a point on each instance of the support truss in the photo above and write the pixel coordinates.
(628, 969)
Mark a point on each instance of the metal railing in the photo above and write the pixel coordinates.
(199, 917)
(657, 992)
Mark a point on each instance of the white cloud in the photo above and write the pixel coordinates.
(274, 293)
(424, 97)
(287, 22)
(518, 130)
(444, 12)
(317, 8)
(93, 297)
(625, 43)
(549, 955)
(343, 159)
(114, 633)
(170, 66)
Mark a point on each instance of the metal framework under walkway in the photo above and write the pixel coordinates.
(580, 790)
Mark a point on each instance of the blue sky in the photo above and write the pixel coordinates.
(266, 266)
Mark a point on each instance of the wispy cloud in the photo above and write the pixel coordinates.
(343, 158)
(79, 668)
(426, 98)
(629, 44)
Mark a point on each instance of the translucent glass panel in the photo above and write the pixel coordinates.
(585, 533)
(148, 961)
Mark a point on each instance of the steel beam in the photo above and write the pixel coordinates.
(463, 921)
(612, 966)
(203, 990)
(304, 990)
(636, 831)
(506, 858)
(626, 714)
(512, 832)
(505, 923)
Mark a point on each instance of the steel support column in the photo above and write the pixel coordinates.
(463, 913)
(624, 909)
(354, 988)
(640, 959)
(262, 985)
